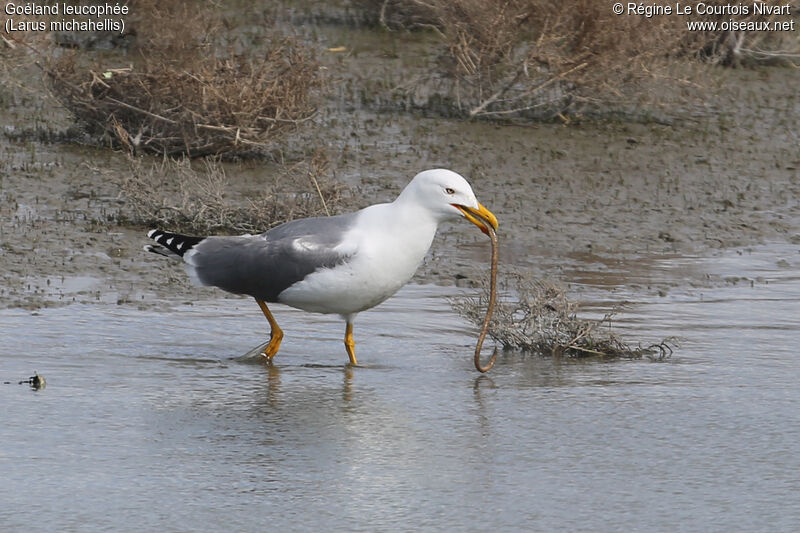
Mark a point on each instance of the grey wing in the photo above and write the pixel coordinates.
(264, 265)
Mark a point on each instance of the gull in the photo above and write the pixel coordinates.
(341, 264)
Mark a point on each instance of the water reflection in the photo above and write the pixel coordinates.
(273, 385)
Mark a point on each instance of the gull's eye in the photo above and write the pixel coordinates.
(450, 191)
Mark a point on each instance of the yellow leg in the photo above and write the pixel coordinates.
(275, 332)
(350, 344)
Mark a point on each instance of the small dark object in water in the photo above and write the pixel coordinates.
(490, 308)
(36, 381)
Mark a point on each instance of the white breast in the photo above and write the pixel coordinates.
(390, 246)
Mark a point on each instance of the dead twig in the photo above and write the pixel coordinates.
(537, 316)
(185, 96)
(177, 195)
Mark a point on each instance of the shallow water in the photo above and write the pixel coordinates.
(147, 423)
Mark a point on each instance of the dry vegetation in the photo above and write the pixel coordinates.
(182, 93)
(528, 57)
(175, 195)
(180, 84)
(539, 318)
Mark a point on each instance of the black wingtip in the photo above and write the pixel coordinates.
(174, 242)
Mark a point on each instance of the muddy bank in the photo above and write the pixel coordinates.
(569, 198)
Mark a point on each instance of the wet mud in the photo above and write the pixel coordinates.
(594, 194)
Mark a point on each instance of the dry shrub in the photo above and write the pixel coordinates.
(184, 93)
(541, 319)
(534, 57)
(175, 195)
